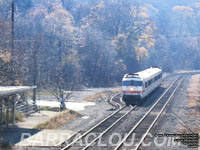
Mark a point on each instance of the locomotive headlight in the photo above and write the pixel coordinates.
(131, 89)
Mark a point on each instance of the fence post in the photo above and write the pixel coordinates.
(1, 112)
(26, 100)
(7, 112)
(13, 110)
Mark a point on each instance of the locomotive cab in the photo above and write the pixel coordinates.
(132, 87)
(137, 86)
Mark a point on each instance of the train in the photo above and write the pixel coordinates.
(137, 86)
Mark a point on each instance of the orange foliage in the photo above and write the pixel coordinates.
(184, 10)
(5, 56)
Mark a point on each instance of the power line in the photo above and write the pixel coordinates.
(172, 36)
(149, 37)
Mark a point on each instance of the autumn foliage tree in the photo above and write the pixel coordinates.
(67, 44)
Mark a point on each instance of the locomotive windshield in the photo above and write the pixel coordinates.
(132, 83)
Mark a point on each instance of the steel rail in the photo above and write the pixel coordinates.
(110, 127)
(139, 122)
(63, 142)
(86, 133)
(150, 127)
(111, 100)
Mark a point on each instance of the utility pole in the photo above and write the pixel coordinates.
(60, 53)
(12, 39)
(35, 70)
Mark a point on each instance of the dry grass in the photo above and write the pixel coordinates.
(116, 90)
(102, 95)
(47, 108)
(193, 94)
(19, 117)
(58, 120)
(184, 130)
(194, 113)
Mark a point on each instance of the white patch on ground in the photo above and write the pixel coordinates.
(46, 138)
(85, 117)
(36, 118)
(70, 105)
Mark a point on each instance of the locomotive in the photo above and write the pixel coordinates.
(137, 86)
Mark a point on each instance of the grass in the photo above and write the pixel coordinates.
(101, 95)
(58, 120)
(19, 116)
(47, 108)
(42, 93)
(97, 96)
(6, 146)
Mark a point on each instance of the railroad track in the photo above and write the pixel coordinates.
(117, 101)
(141, 129)
(86, 139)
